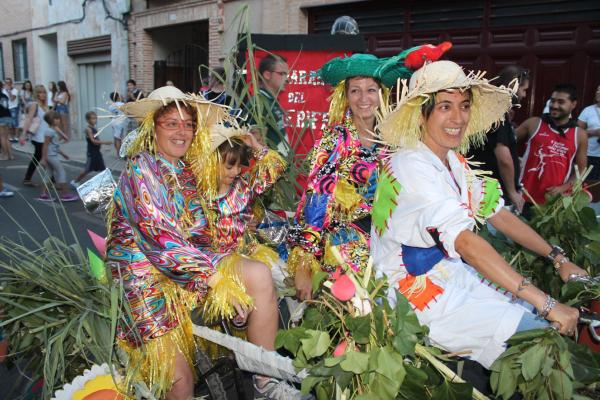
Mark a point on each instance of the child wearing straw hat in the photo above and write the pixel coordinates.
(428, 202)
(229, 195)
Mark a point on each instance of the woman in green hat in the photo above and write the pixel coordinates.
(335, 209)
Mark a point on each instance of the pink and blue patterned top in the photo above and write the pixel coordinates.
(336, 206)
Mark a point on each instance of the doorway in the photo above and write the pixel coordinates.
(179, 50)
(95, 84)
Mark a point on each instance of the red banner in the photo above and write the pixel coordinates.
(305, 97)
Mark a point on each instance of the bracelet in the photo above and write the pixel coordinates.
(524, 283)
(559, 263)
(548, 306)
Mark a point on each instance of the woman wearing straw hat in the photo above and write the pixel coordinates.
(427, 204)
(154, 247)
(335, 209)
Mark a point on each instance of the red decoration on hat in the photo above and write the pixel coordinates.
(417, 58)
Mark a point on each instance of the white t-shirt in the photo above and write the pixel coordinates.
(12, 103)
(591, 116)
(38, 136)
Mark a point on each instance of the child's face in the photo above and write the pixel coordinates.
(92, 120)
(229, 172)
(56, 122)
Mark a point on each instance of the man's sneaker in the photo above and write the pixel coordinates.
(74, 184)
(69, 197)
(45, 197)
(6, 193)
(275, 389)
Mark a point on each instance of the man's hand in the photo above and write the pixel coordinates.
(517, 200)
(556, 190)
(303, 283)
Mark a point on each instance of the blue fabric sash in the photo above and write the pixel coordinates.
(418, 260)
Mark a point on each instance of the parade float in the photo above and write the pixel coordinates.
(60, 313)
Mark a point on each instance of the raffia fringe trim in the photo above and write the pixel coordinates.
(227, 289)
(300, 258)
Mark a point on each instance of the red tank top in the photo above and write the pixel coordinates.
(548, 160)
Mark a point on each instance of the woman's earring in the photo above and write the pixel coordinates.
(348, 112)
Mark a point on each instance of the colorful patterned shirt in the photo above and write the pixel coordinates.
(154, 202)
(336, 206)
(229, 214)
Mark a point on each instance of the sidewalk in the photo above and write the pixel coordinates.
(76, 149)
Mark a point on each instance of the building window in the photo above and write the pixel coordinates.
(1, 63)
(20, 60)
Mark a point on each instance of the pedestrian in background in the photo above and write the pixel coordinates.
(52, 90)
(35, 125)
(13, 105)
(61, 105)
(3, 193)
(119, 123)
(50, 152)
(216, 91)
(5, 124)
(133, 93)
(499, 154)
(95, 161)
(25, 97)
(589, 119)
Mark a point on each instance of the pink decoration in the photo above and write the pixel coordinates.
(343, 288)
(99, 242)
(340, 349)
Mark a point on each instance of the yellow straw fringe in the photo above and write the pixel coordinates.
(154, 361)
(227, 289)
(265, 255)
(300, 258)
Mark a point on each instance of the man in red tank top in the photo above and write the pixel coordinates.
(554, 146)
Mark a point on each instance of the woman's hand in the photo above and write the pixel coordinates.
(303, 283)
(252, 141)
(242, 313)
(565, 317)
(568, 269)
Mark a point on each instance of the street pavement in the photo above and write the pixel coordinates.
(68, 221)
(23, 215)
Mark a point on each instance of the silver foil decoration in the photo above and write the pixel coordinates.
(97, 192)
(273, 229)
(126, 143)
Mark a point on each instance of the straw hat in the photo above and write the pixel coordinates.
(167, 94)
(220, 133)
(401, 126)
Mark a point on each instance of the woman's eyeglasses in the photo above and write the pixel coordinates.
(173, 125)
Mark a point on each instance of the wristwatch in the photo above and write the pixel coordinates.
(555, 252)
